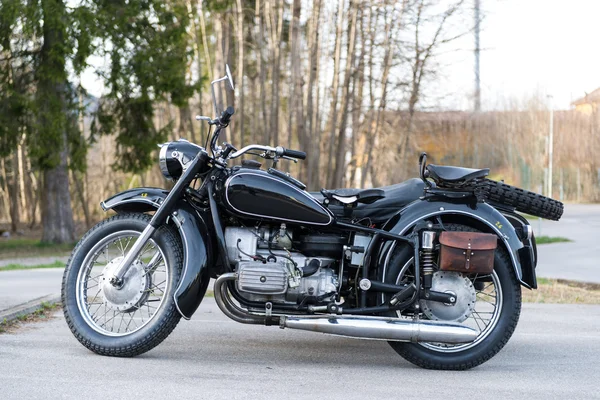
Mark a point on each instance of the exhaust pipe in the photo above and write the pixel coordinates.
(382, 328)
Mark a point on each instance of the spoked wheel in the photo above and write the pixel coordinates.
(133, 318)
(490, 304)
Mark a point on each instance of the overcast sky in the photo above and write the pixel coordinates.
(528, 46)
(550, 47)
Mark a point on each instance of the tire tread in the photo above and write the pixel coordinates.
(521, 199)
(161, 329)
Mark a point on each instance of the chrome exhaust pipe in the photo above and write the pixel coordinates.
(382, 328)
(228, 307)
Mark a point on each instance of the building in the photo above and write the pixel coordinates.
(589, 103)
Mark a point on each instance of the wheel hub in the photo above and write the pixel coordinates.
(460, 287)
(133, 291)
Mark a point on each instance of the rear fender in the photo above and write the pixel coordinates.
(194, 232)
(479, 215)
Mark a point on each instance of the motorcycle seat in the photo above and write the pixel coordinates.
(396, 197)
(446, 173)
(353, 196)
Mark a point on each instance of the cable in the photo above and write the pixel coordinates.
(255, 258)
(281, 255)
(207, 137)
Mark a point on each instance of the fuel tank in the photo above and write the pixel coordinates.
(258, 194)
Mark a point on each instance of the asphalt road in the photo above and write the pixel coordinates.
(20, 286)
(577, 260)
(552, 355)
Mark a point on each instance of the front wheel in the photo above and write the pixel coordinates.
(134, 318)
(494, 313)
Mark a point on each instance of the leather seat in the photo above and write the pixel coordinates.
(446, 173)
(352, 196)
(379, 211)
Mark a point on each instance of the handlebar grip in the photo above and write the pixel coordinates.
(226, 115)
(294, 154)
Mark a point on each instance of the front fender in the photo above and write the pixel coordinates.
(194, 233)
(141, 199)
(480, 214)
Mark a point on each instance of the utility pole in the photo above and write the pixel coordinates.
(477, 106)
(550, 146)
(477, 97)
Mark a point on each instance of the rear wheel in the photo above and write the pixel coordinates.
(134, 318)
(494, 313)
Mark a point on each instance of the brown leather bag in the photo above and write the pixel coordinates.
(468, 252)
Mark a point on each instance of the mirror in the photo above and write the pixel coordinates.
(228, 71)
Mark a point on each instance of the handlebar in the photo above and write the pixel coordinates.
(276, 151)
(253, 147)
(226, 115)
(294, 153)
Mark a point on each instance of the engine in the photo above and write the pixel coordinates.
(269, 271)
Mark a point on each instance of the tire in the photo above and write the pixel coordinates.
(522, 200)
(430, 358)
(158, 326)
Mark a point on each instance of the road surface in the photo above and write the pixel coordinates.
(554, 354)
(577, 260)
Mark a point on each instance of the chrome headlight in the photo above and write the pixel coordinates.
(174, 157)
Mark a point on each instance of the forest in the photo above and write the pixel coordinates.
(343, 80)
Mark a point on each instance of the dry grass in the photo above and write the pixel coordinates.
(560, 291)
(44, 313)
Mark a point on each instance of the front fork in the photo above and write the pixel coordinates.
(159, 217)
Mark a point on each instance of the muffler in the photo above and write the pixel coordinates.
(382, 328)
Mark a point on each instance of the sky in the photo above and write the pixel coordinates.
(545, 47)
(528, 47)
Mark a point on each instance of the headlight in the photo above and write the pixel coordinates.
(174, 157)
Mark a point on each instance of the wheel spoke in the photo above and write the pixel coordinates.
(100, 312)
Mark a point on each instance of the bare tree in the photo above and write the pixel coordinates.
(340, 163)
(313, 133)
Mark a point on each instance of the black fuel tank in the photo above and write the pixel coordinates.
(258, 194)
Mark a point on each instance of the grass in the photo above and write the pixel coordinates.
(550, 239)
(560, 291)
(22, 247)
(12, 267)
(43, 313)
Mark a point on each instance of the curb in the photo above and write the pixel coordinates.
(27, 308)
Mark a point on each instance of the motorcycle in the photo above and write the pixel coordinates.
(433, 265)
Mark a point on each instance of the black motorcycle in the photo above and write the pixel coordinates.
(433, 265)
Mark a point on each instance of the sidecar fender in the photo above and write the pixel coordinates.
(194, 232)
(478, 215)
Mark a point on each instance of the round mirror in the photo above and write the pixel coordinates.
(228, 71)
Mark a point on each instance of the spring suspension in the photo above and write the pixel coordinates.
(427, 257)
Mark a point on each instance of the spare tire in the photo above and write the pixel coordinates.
(522, 200)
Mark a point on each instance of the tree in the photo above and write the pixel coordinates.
(38, 39)
(149, 53)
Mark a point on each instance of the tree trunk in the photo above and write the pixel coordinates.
(220, 57)
(313, 132)
(186, 126)
(340, 163)
(260, 36)
(334, 91)
(57, 215)
(240, 70)
(357, 99)
(79, 190)
(276, 28)
(387, 64)
(369, 138)
(299, 80)
(13, 192)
